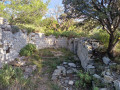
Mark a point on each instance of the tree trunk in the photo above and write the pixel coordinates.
(111, 45)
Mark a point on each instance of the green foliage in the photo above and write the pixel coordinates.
(115, 68)
(98, 83)
(117, 48)
(25, 11)
(28, 50)
(100, 35)
(45, 53)
(84, 80)
(97, 10)
(31, 28)
(2, 7)
(55, 87)
(10, 76)
(49, 23)
(95, 88)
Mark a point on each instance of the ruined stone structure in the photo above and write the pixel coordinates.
(13, 40)
(11, 43)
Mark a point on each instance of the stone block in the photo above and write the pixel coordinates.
(1, 20)
(117, 84)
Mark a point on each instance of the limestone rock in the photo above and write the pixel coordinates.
(96, 76)
(95, 45)
(64, 63)
(91, 69)
(57, 72)
(108, 79)
(70, 71)
(103, 89)
(117, 84)
(72, 65)
(106, 60)
(71, 82)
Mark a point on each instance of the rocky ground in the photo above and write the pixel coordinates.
(57, 69)
(50, 69)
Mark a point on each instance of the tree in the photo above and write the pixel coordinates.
(106, 12)
(25, 11)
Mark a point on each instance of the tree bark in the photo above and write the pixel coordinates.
(111, 45)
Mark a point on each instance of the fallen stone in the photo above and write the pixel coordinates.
(117, 84)
(108, 79)
(66, 81)
(57, 72)
(103, 73)
(71, 82)
(64, 63)
(21, 63)
(106, 60)
(72, 65)
(62, 70)
(96, 76)
(54, 77)
(75, 70)
(91, 69)
(70, 71)
(95, 45)
(108, 73)
(103, 89)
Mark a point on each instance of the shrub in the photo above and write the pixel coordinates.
(84, 80)
(101, 35)
(27, 50)
(10, 76)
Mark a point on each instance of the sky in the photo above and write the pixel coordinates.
(52, 5)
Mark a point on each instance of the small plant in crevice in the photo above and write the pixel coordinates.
(15, 29)
(85, 80)
(28, 50)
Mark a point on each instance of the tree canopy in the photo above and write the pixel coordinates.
(24, 11)
(105, 12)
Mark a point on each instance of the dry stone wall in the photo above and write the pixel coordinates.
(11, 43)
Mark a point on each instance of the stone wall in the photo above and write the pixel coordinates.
(11, 43)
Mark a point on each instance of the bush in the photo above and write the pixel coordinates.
(84, 81)
(10, 76)
(28, 50)
(101, 35)
(31, 28)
